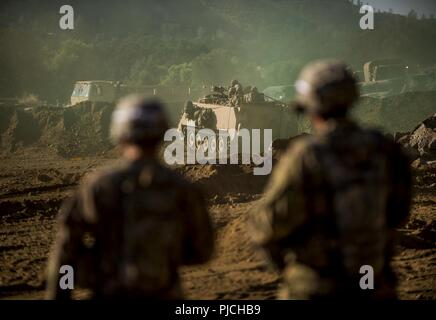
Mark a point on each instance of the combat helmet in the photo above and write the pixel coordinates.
(327, 88)
(188, 107)
(139, 120)
(234, 82)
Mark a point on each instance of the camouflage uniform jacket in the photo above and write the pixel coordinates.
(127, 230)
(331, 206)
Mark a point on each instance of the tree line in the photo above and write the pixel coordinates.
(194, 42)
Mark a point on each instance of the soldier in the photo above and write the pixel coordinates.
(236, 93)
(239, 90)
(189, 109)
(256, 96)
(335, 198)
(127, 229)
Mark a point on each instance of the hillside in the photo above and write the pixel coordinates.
(192, 42)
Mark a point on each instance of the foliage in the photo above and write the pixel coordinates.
(194, 42)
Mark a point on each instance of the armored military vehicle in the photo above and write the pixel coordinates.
(216, 112)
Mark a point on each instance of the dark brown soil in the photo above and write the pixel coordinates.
(33, 184)
(45, 152)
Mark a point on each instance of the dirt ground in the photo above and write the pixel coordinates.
(34, 181)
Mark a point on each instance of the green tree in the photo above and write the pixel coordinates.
(180, 74)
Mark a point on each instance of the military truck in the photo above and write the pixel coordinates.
(215, 112)
(111, 91)
(378, 78)
(96, 91)
(388, 77)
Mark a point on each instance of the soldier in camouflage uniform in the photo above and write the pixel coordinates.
(232, 88)
(254, 96)
(127, 229)
(189, 110)
(335, 198)
(236, 93)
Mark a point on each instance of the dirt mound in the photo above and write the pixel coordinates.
(397, 113)
(84, 128)
(34, 184)
(225, 182)
(420, 144)
(76, 131)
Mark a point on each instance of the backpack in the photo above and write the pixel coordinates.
(152, 235)
(357, 181)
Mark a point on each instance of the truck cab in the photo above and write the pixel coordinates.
(95, 91)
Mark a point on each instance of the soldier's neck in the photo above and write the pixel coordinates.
(321, 125)
(135, 153)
